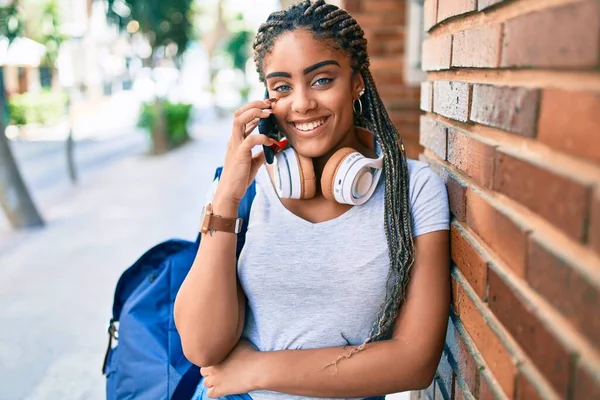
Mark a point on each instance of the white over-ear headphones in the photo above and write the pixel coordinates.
(348, 177)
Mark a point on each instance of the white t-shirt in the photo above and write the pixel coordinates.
(314, 285)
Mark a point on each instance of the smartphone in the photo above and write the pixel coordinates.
(268, 127)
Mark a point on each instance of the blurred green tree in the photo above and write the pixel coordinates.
(238, 48)
(42, 24)
(163, 23)
(167, 26)
(11, 23)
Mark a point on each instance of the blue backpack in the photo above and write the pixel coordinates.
(148, 363)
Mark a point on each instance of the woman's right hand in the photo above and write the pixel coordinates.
(240, 167)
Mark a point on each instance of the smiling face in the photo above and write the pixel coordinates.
(315, 87)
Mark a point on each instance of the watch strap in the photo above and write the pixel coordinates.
(214, 222)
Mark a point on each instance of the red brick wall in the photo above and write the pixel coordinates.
(512, 123)
(384, 24)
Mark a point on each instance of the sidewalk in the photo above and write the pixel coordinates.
(57, 283)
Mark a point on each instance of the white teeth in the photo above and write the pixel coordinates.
(310, 126)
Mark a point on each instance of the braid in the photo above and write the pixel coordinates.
(328, 22)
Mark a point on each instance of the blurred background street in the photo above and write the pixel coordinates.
(113, 128)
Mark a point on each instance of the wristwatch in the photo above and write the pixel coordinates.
(212, 222)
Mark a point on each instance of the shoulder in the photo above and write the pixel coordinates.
(430, 210)
(422, 178)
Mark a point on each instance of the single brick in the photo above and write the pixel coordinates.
(569, 122)
(469, 260)
(457, 196)
(563, 285)
(426, 96)
(375, 20)
(392, 77)
(386, 33)
(457, 190)
(551, 357)
(430, 8)
(594, 235)
(403, 98)
(452, 99)
(483, 4)
(472, 156)
(380, 65)
(405, 118)
(587, 383)
(450, 8)
(436, 53)
(558, 37)
(478, 47)
(487, 342)
(560, 200)
(512, 109)
(433, 136)
(503, 234)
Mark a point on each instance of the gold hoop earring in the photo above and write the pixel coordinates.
(360, 107)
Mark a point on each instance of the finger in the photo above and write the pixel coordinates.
(247, 117)
(204, 372)
(251, 126)
(253, 104)
(212, 393)
(207, 382)
(254, 140)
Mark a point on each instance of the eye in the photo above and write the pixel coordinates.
(282, 88)
(323, 81)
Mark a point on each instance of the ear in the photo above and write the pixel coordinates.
(358, 85)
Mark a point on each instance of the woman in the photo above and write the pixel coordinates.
(328, 299)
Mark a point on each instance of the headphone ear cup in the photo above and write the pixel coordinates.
(294, 175)
(308, 178)
(331, 169)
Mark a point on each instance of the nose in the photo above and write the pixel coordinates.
(303, 101)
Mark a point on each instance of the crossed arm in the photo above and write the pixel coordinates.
(407, 361)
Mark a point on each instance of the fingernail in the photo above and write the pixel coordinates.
(268, 111)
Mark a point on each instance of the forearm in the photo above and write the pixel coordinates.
(381, 368)
(207, 304)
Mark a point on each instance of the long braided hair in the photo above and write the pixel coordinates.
(337, 28)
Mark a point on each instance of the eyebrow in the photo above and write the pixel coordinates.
(306, 70)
